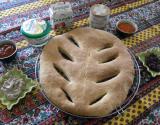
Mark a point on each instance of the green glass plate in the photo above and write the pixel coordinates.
(29, 85)
(143, 55)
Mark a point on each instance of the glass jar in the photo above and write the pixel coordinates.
(99, 16)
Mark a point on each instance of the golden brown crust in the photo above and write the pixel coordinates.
(86, 72)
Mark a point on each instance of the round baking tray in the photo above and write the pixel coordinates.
(131, 94)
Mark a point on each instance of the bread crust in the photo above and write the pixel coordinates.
(86, 72)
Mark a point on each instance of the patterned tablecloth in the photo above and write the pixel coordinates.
(34, 108)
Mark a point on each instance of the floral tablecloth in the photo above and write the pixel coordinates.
(34, 108)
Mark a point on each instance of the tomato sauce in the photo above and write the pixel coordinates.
(126, 27)
(6, 50)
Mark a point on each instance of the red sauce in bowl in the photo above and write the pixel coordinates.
(6, 50)
(126, 27)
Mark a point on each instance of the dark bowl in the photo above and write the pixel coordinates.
(12, 55)
(125, 33)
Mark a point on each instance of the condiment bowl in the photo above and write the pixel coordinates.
(10, 53)
(126, 27)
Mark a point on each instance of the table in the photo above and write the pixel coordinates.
(34, 108)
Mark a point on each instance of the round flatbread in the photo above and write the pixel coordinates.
(86, 72)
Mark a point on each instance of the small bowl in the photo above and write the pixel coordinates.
(12, 55)
(123, 32)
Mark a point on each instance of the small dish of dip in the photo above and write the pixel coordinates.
(14, 85)
(8, 50)
(126, 27)
(36, 31)
(151, 60)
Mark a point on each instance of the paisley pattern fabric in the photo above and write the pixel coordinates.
(35, 108)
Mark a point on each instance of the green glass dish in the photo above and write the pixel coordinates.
(29, 85)
(142, 56)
